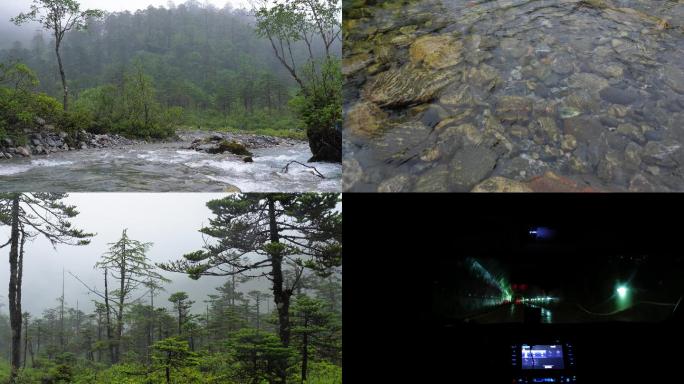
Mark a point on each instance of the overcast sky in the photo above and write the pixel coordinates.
(170, 221)
(16, 6)
(9, 33)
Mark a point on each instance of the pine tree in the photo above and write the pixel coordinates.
(127, 263)
(31, 215)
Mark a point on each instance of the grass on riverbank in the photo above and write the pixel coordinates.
(279, 123)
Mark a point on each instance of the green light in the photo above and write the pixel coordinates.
(622, 292)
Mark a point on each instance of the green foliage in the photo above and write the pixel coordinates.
(130, 109)
(323, 372)
(171, 355)
(320, 105)
(211, 65)
(261, 121)
(320, 98)
(19, 107)
(258, 355)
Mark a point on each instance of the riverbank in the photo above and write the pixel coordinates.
(44, 143)
(49, 141)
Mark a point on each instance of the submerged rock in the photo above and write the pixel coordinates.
(662, 153)
(513, 108)
(458, 97)
(469, 166)
(551, 182)
(436, 52)
(501, 184)
(433, 180)
(406, 85)
(399, 183)
(485, 77)
(674, 77)
(355, 63)
(619, 96)
(352, 173)
(364, 119)
(588, 82)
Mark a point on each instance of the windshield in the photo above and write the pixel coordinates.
(508, 271)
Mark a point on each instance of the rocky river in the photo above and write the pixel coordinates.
(514, 95)
(182, 165)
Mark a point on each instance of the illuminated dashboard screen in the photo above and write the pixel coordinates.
(542, 356)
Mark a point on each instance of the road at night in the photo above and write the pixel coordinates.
(564, 312)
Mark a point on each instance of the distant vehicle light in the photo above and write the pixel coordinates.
(622, 292)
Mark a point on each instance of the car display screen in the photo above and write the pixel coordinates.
(542, 356)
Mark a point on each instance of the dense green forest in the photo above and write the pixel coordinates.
(271, 70)
(290, 332)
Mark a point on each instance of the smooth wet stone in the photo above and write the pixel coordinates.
(580, 100)
(364, 119)
(568, 112)
(616, 141)
(619, 96)
(405, 86)
(552, 182)
(609, 168)
(355, 63)
(485, 77)
(501, 184)
(584, 128)
(400, 142)
(433, 180)
(614, 71)
(399, 183)
(513, 108)
(587, 81)
(665, 153)
(513, 47)
(632, 132)
(469, 166)
(352, 173)
(654, 135)
(563, 65)
(618, 111)
(519, 131)
(433, 115)
(467, 133)
(545, 108)
(641, 183)
(546, 130)
(674, 77)
(633, 155)
(436, 52)
(456, 117)
(568, 143)
(384, 53)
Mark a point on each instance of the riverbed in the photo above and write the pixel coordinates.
(488, 95)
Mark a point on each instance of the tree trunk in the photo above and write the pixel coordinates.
(180, 316)
(26, 337)
(168, 367)
(62, 75)
(305, 355)
(257, 312)
(122, 297)
(281, 296)
(112, 351)
(150, 327)
(15, 292)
